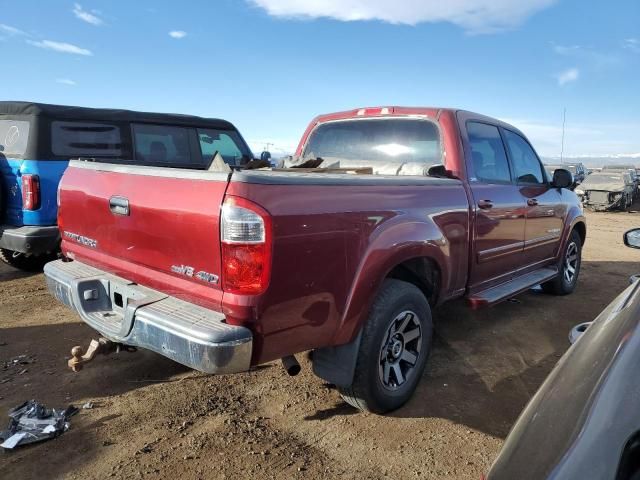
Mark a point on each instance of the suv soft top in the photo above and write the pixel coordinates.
(31, 109)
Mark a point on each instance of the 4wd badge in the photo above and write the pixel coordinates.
(190, 272)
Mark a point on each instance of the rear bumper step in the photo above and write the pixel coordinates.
(128, 313)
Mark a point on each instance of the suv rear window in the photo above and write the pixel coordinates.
(164, 145)
(14, 137)
(374, 141)
(86, 139)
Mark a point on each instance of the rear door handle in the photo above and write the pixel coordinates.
(119, 206)
(532, 202)
(485, 204)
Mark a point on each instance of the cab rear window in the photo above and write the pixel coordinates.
(14, 137)
(376, 141)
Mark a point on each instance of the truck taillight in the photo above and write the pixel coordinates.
(30, 192)
(245, 233)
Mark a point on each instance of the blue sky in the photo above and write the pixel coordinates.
(269, 66)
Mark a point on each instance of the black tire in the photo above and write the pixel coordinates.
(28, 263)
(566, 281)
(398, 304)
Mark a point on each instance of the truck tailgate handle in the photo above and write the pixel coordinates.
(119, 205)
(485, 204)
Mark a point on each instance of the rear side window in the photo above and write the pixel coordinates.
(525, 161)
(86, 139)
(371, 142)
(14, 137)
(489, 159)
(164, 145)
(226, 142)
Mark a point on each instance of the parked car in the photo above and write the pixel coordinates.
(224, 270)
(578, 170)
(37, 140)
(607, 190)
(584, 421)
(630, 169)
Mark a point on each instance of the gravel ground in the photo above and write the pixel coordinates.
(153, 418)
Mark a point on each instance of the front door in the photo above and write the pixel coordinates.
(545, 210)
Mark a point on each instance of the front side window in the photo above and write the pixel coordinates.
(490, 164)
(527, 167)
(225, 142)
(14, 137)
(163, 145)
(85, 139)
(377, 141)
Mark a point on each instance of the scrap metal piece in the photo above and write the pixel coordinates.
(33, 422)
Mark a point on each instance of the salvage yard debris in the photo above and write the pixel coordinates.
(32, 422)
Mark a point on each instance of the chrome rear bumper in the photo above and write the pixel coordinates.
(128, 313)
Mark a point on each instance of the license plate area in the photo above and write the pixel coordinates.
(109, 305)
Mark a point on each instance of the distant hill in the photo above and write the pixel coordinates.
(597, 161)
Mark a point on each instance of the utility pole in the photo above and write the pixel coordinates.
(564, 119)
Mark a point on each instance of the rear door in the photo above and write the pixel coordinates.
(499, 208)
(546, 210)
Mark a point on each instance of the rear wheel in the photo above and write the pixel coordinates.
(394, 349)
(24, 261)
(569, 268)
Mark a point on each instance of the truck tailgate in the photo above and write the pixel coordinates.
(155, 226)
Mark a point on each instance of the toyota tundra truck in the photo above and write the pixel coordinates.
(381, 215)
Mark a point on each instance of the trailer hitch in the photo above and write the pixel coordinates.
(102, 345)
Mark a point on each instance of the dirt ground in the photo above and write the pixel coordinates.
(153, 418)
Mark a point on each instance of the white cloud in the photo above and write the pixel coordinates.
(66, 81)
(60, 47)
(9, 30)
(632, 44)
(85, 16)
(177, 34)
(475, 16)
(568, 76)
(593, 57)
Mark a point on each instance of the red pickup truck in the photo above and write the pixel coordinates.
(397, 210)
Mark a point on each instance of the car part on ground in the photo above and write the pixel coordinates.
(32, 422)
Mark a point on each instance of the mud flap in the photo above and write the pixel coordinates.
(337, 365)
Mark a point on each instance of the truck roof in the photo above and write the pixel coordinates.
(382, 111)
(26, 109)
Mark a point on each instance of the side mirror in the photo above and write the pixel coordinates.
(265, 156)
(632, 238)
(562, 178)
(437, 171)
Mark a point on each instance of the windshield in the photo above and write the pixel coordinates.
(377, 141)
(597, 178)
